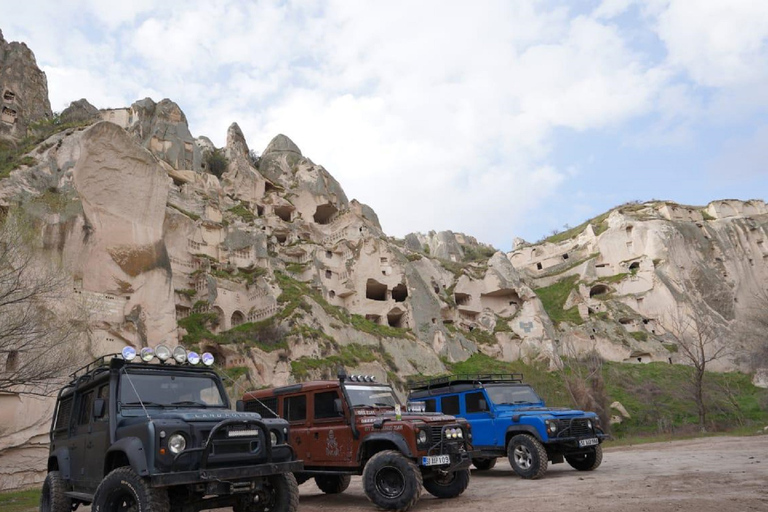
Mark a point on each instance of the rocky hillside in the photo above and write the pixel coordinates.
(264, 261)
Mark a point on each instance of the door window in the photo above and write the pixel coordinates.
(475, 402)
(324, 405)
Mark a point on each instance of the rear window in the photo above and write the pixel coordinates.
(295, 408)
(62, 418)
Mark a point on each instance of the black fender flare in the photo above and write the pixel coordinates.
(61, 456)
(522, 429)
(134, 451)
(389, 437)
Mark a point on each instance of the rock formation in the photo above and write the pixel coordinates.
(265, 262)
(24, 90)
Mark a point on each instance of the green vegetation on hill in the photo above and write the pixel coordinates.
(20, 501)
(348, 356)
(553, 299)
(656, 395)
(12, 155)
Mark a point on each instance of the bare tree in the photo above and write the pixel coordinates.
(40, 324)
(582, 375)
(753, 330)
(699, 343)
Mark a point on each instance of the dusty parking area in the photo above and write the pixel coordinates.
(702, 475)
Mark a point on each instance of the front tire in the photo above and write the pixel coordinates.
(280, 493)
(527, 456)
(123, 489)
(586, 461)
(484, 464)
(333, 484)
(52, 498)
(391, 481)
(448, 485)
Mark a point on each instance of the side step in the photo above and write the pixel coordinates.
(81, 496)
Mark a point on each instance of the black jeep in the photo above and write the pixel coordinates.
(148, 437)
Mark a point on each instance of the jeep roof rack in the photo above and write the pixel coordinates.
(464, 378)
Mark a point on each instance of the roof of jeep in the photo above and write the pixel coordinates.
(303, 387)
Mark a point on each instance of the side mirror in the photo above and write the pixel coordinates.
(240, 406)
(98, 408)
(338, 407)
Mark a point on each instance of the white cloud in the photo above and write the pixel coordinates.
(437, 114)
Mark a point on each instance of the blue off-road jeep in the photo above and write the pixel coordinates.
(508, 418)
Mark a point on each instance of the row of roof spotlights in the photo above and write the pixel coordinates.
(163, 353)
(362, 378)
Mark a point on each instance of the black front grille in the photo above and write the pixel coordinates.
(576, 427)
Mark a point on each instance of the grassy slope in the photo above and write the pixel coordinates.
(656, 395)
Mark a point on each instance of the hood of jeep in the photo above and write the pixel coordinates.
(556, 412)
(195, 415)
(370, 416)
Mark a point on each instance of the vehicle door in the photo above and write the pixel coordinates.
(98, 441)
(331, 432)
(294, 410)
(78, 439)
(476, 409)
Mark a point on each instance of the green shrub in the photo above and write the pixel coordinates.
(215, 162)
(553, 299)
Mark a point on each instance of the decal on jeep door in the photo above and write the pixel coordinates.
(331, 446)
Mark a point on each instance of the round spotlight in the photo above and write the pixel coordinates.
(129, 353)
(193, 357)
(163, 353)
(207, 358)
(180, 354)
(147, 354)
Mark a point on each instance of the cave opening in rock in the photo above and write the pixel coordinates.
(395, 317)
(324, 213)
(284, 212)
(400, 292)
(539, 266)
(9, 95)
(462, 299)
(238, 318)
(373, 318)
(281, 236)
(598, 289)
(635, 265)
(374, 290)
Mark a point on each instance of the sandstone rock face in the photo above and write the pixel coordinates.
(634, 269)
(80, 111)
(24, 90)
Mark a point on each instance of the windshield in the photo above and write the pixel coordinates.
(164, 389)
(371, 396)
(513, 395)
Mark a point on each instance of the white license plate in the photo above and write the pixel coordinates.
(592, 441)
(436, 460)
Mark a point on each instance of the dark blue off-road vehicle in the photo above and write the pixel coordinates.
(508, 418)
(140, 436)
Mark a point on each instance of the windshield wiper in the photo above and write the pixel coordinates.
(190, 402)
(145, 404)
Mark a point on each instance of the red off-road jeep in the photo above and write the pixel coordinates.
(354, 426)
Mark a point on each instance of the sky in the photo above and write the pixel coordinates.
(498, 119)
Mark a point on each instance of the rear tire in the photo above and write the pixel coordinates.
(586, 461)
(123, 488)
(449, 485)
(527, 456)
(484, 464)
(333, 484)
(52, 498)
(391, 481)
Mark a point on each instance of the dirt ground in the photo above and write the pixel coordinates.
(702, 475)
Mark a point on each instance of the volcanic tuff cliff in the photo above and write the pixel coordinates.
(264, 261)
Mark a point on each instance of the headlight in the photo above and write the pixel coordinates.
(454, 433)
(273, 437)
(551, 426)
(177, 443)
(589, 424)
(422, 437)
